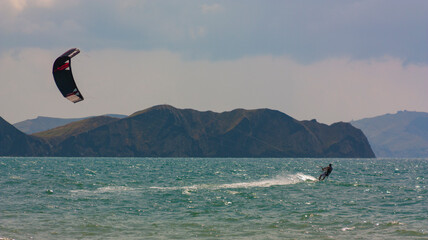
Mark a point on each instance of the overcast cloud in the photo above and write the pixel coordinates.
(330, 60)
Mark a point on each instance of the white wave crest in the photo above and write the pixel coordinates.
(108, 189)
(277, 181)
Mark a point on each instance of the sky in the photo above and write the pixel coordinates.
(326, 60)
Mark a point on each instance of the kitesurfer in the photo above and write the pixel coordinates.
(326, 172)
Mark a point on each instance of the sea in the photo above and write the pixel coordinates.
(212, 198)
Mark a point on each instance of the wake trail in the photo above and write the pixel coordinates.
(280, 180)
(276, 181)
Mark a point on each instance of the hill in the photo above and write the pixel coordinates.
(164, 131)
(40, 124)
(404, 134)
(75, 128)
(16, 143)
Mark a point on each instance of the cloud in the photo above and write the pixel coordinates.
(307, 31)
(197, 32)
(206, 8)
(25, 22)
(17, 5)
(20, 5)
(121, 81)
(331, 60)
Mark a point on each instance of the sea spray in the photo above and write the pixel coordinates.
(280, 180)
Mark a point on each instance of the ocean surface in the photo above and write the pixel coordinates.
(200, 198)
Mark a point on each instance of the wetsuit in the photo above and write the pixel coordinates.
(327, 171)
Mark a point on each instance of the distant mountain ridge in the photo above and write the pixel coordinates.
(165, 131)
(74, 128)
(41, 123)
(403, 134)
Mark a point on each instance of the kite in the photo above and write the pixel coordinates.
(64, 77)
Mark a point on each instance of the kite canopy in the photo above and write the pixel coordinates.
(64, 78)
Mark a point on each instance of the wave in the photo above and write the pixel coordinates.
(277, 181)
(108, 189)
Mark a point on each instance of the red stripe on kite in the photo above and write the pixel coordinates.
(66, 65)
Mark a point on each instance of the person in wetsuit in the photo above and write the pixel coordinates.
(326, 173)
